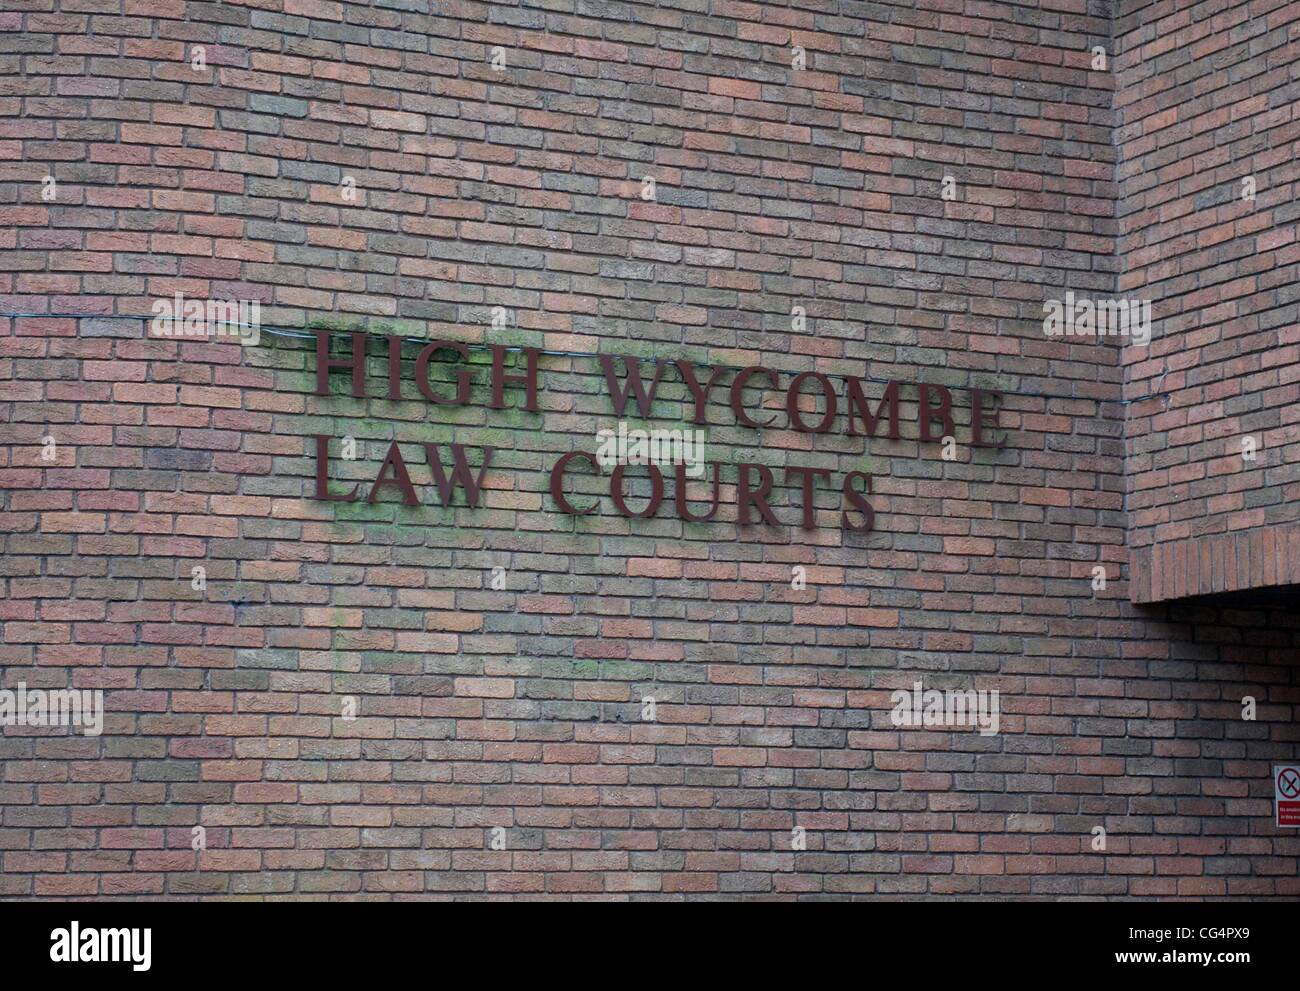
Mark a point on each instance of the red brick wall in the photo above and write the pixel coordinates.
(521, 708)
(1206, 99)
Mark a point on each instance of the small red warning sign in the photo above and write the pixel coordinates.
(1286, 793)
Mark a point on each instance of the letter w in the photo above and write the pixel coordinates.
(634, 384)
(460, 475)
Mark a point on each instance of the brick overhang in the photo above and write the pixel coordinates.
(1215, 563)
